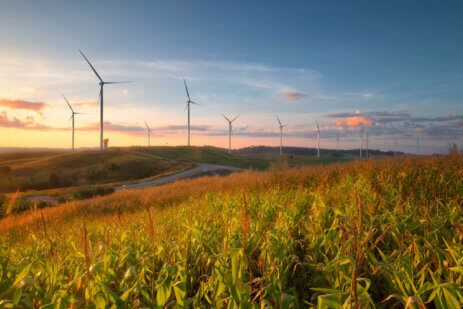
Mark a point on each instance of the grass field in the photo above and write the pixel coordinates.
(49, 170)
(377, 233)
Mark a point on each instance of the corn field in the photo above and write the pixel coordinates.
(378, 233)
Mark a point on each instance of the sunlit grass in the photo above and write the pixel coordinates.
(361, 234)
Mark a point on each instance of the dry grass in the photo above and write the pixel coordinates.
(356, 235)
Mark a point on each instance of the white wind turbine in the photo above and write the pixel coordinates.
(361, 142)
(188, 103)
(229, 130)
(318, 139)
(366, 145)
(281, 134)
(102, 83)
(73, 113)
(149, 134)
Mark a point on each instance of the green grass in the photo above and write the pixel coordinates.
(82, 168)
(205, 154)
(378, 233)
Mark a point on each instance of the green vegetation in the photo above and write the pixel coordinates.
(206, 154)
(41, 171)
(364, 234)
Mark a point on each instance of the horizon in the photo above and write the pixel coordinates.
(393, 68)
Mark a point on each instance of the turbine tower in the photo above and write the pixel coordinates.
(229, 130)
(73, 113)
(102, 83)
(366, 144)
(318, 139)
(361, 142)
(281, 135)
(149, 134)
(188, 103)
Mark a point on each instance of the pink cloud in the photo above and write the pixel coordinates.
(355, 121)
(292, 96)
(21, 104)
(28, 124)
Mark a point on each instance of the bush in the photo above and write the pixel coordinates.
(5, 170)
(54, 180)
(89, 192)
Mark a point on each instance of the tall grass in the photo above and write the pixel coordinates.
(365, 234)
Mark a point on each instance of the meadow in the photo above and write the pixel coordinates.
(374, 233)
(53, 169)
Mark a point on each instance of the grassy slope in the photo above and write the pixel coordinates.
(33, 171)
(206, 154)
(300, 236)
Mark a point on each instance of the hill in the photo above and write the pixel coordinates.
(58, 169)
(367, 233)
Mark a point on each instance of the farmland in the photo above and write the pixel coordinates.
(361, 234)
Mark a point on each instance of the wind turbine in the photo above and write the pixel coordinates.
(72, 118)
(417, 145)
(281, 134)
(318, 139)
(149, 134)
(188, 103)
(366, 144)
(102, 83)
(229, 130)
(361, 142)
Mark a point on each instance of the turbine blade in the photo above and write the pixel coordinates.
(124, 82)
(278, 120)
(318, 127)
(68, 103)
(147, 126)
(96, 73)
(186, 88)
(226, 118)
(195, 103)
(235, 117)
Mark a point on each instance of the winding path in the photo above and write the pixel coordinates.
(197, 171)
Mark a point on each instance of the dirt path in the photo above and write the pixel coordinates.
(197, 171)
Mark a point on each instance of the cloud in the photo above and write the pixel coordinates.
(355, 121)
(86, 104)
(292, 96)
(29, 123)
(21, 104)
(135, 129)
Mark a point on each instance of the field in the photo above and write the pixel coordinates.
(49, 170)
(376, 233)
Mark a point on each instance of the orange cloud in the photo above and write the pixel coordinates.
(86, 104)
(29, 123)
(292, 96)
(21, 104)
(354, 121)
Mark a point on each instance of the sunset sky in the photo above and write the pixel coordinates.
(393, 67)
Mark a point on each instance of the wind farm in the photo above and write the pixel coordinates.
(248, 156)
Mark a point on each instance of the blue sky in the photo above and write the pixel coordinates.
(395, 66)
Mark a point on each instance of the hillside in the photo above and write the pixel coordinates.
(47, 170)
(373, 233)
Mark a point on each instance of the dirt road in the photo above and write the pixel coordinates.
(197, 171)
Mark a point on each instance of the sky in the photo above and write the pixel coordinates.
(393, 68)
